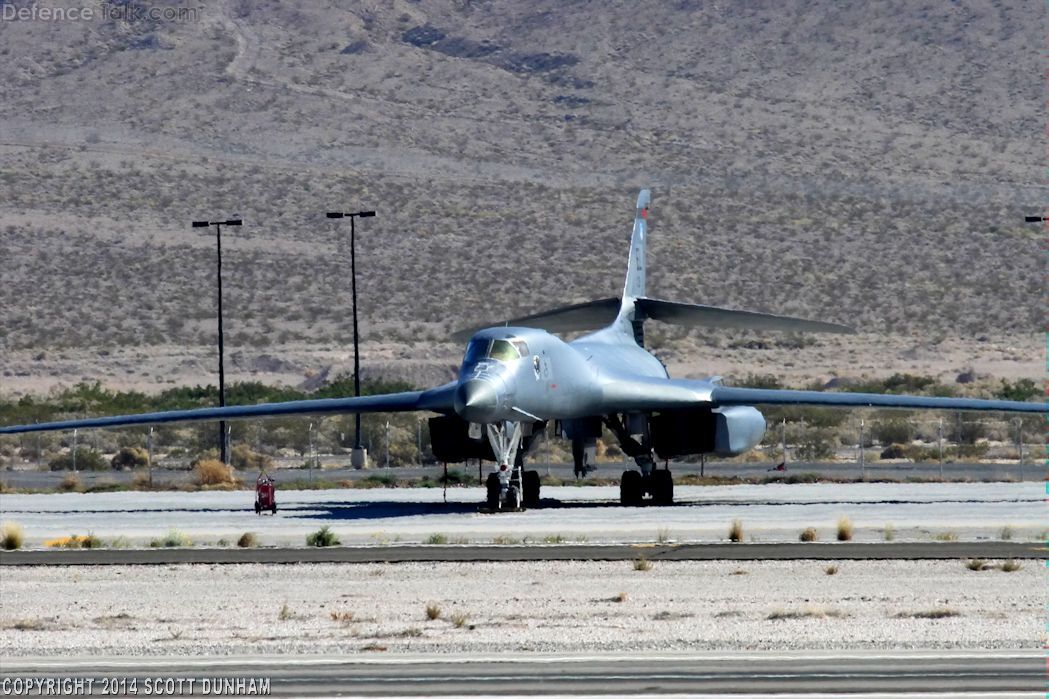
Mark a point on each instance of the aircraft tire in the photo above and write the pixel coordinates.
(663, 487)
(630, 489)
(493, 488)
(531, 488)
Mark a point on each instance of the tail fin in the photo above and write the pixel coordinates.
(635, 271)
(624, 318)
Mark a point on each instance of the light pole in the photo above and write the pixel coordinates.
(223, 445)
(358, 457)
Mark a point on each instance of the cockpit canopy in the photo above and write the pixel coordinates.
(498, 349)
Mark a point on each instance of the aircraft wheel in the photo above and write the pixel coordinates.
(531, 488)
(258, 509)
(273, 509)
(513, 497)
(493, 488)
(630, 489)
(663, 487)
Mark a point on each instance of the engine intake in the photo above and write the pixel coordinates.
(450, 439)
(724, 431)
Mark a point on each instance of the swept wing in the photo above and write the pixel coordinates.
(438, 399)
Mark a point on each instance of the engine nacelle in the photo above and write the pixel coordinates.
(451, 442)
(723, 431)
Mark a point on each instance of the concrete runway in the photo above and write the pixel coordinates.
(773, 512)
(470, 553)
(815, 674)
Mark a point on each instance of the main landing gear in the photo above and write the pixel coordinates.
(657, 483)
(510, 487)
(635, 485)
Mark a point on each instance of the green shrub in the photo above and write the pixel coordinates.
(322, 537)
(86, 460)
(244, 458)
(129, 458)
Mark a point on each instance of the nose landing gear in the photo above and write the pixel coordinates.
(510, 488)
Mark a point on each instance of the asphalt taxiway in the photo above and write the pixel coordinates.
(573, 552)
(870, 673)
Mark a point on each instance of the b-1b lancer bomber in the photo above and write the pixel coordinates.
(518, 376)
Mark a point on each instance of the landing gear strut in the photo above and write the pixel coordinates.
(510, 487)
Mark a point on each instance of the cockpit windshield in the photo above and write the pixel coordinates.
(499, 350)
(503, 351)
(476, 351)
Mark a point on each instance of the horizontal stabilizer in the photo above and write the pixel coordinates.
(579, 316)
(692, 315)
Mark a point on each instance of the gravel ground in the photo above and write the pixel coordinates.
(772, 512)
(546, 607)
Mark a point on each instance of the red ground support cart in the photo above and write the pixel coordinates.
(265, 494)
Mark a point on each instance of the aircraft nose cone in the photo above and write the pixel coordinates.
(476, 401)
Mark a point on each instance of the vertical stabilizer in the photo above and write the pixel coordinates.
(635, 271)
(628, 322)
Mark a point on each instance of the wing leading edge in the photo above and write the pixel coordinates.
(641, 394)
(727, 396)
(435, 400)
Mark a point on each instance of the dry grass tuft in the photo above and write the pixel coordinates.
(436, 539)
(212, 472)
(11, 536)
(71, 482)
(642, 564)
(503, 540)
(663, 535)
(433, 611)
(1011, 565)
(808, 534)
(174, 539)
(946, 536)
(459, 619)
(889, 533)
(1006, 534)
(621, 597)
(844, 529)
(739, 571)
(936, 613)
(977, 564)
(248, 540)
(806, 613)
(285, 613)
(342, 617)
(374, 648)
(27, 625)
(735, 532)
(831, 569)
